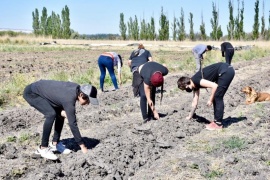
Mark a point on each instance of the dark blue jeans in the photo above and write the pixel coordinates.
(51, 114)
(223, 82)
(103, 63)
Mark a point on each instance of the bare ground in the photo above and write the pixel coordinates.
(120, 148)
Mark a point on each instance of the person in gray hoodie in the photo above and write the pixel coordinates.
(56, 100)
(198, 52)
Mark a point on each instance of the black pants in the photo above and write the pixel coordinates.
(51, 114)
(223, 82)
(229, 55)
(143, 101)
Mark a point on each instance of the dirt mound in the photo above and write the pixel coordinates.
(169, 148)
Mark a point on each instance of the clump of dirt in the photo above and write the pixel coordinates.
(169, 148)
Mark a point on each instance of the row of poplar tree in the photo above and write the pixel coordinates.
(235, 27)
(59, 26)
(54, 25)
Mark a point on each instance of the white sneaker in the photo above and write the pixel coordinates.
(46, 153)
(60, 147)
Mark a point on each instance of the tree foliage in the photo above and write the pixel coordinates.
(263, 23)
(66, 23)
(36, 22)
(133, 28)
(164, 27)
(181, 26)
(52, 25)
(174, 28)
(191, 30)
(202, 29)
(216, 33)
(123, 27)
(255, 32)
(152, 29)
(230, 26)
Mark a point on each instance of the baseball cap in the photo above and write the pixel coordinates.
(91, 92)
(157, 79)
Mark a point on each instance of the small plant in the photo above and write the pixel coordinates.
(24, 137)
(17, 172)
(194, 166)
(11, 139)
(268, 163)
(234, 142)
(213, 174)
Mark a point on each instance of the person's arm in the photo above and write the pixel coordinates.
(72, 121)
(147, 90)
(129, 62)
(213, 86)
(119, 72)
(194, 103)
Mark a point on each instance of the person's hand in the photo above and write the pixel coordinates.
(209, 103)
(83, 148)
(156, 115)
(63, 114)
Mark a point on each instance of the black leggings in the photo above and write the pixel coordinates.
(51, 114)
(224, 82)
(143, 101)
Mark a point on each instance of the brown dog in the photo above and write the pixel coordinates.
(253, 96)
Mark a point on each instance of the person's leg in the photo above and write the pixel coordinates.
(224, 82)
(58, 126)
(102, 69)
(43, 106)
(109, 66)
(197, 61)
(143, 102)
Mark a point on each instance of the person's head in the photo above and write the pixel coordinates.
(120, 60)
(184, 84)
(208, 48)
(140, 46)
(88, 94)
(157, 79)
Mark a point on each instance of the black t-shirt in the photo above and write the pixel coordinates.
(210, 73)
(225, 46)
(149, 68)
(140, 59)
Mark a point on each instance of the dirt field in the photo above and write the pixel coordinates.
(122, 148)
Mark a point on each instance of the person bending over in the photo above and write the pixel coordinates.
(218, 77)
(151, 77)
(108, 60)
(198, 52)
(55, 99)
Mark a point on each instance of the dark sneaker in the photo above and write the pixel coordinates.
(46, 153)
(213, 126)
(60, 147)
(146, 120)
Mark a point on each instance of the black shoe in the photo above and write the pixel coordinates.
(146, 120)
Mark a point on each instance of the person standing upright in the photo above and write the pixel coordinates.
(198, 52)
(228, 49)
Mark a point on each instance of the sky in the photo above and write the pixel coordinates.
(103, 16)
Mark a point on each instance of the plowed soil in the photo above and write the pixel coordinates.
(122, 148)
